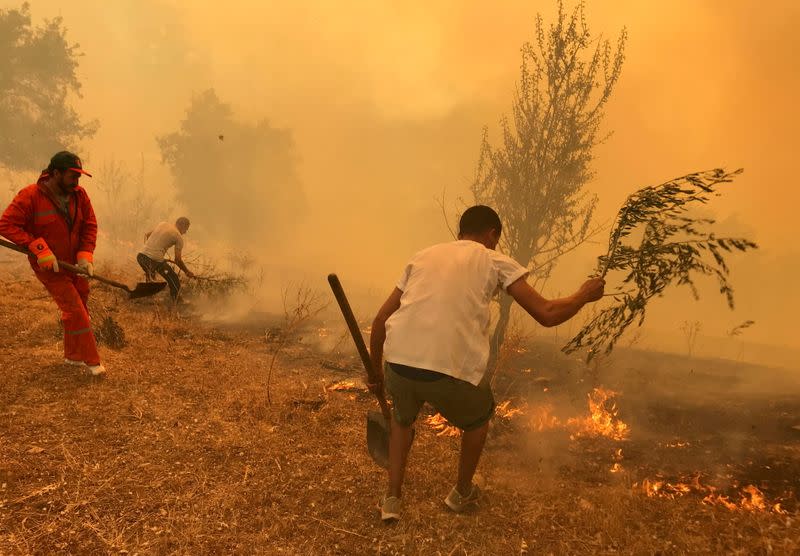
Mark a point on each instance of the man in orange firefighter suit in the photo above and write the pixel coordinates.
(54, 219)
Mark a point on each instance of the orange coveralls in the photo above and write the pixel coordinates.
(33, 214)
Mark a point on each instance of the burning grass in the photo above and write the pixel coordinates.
(750, 497)
(602, 419)
(441, 427)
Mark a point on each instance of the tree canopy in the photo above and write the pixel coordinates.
(535, 177)
(236, 178)
(38, 77)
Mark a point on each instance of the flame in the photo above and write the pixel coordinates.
(441, 426)
(719, 500)
(602, 420)
(505, 411)
(752, 499)
(346, 386)
(541, 418)
(677, 444)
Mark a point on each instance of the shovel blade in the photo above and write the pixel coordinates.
(146, 289)
(378, 438)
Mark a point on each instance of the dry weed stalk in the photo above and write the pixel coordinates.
(691, 329)
(674, 249)
(307, 304)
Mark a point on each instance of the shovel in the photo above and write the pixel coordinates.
(377, 422)
(142, 289)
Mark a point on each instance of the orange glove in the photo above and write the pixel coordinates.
(45, 257)
(86, 262)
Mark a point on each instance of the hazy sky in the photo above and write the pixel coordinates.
(386, 101)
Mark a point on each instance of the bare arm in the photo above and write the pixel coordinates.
(378, 335)
(180, 263)
(552, 312)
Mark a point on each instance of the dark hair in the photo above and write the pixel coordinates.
(479, 219)
(63, 160)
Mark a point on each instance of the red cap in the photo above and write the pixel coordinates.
(66, 160)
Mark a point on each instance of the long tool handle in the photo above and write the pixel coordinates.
(71, 267)
(358, 339)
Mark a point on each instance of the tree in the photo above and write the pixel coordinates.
(237, 179)
(535, 179)
(37, 76)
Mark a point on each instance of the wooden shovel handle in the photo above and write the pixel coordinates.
(358, 339)
(71, 267)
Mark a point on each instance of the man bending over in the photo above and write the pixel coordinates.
(434, 332)
(157, 242)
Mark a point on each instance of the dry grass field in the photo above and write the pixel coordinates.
(178, 451)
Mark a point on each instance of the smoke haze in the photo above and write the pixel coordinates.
(385, 103)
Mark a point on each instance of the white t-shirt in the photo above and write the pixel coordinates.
(163, 236)
(442, 324)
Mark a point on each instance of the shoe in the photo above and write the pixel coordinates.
(73, 362)
(97, 370)
(390, 509)
(458, 502)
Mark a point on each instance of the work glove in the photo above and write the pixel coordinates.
(44, 256)
(85, 262)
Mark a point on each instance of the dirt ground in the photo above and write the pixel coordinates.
(178, 450)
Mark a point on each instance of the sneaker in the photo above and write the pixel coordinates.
(458, 502)
(73, 362)
(390, 509)
(97, 370)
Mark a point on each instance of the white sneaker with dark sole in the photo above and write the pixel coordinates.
(458, 502)
(390, 509)
(96, 370)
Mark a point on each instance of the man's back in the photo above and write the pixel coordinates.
(163, 236)
(443, 321)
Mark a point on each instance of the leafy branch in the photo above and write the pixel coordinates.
(675, 248)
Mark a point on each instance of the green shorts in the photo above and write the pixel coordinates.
(463, 404)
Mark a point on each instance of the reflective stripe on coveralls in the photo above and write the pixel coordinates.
(71, 294)
(34, 214)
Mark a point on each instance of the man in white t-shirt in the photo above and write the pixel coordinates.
(434, 333)
(157, 242)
